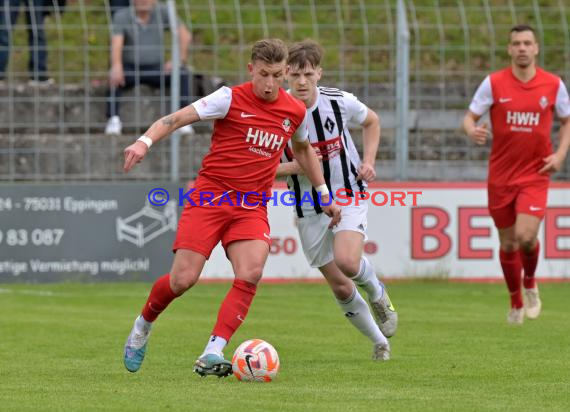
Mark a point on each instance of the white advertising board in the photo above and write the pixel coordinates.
(447, 233)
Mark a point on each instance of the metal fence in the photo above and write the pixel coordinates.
(55, 132)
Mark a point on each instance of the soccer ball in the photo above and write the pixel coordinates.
(255, 360)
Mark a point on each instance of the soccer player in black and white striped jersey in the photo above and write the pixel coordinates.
(337, 252)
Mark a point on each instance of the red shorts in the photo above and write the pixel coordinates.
(202, 226)
(506, 202)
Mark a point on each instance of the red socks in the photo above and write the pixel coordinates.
(159, 298)
(234, 308)
(232, 312)
(529, 263)
(511, 264)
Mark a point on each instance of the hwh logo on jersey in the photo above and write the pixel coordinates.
(523, 118)
(264, 139)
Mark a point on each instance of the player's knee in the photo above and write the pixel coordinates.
(509, 244)
(250, 273)
(526, 240)
(182, 280)
(251, 277)
(509, 247)
(348, 265)
(342, 291)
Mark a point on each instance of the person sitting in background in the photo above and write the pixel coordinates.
(137, 56)
(36, 11)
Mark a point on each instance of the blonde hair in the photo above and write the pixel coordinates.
(269, 51)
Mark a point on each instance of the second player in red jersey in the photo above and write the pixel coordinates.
(521, 100)
(253, 124)
(521, 115)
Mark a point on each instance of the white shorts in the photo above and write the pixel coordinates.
(317, 239)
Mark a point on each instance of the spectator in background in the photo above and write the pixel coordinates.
(35, 10)
(137, 56)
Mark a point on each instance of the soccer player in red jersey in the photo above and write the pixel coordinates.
(253, 123)
(521, 100)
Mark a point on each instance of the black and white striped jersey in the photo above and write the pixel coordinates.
(327, 122)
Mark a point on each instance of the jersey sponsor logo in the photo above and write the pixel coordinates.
(543, 102)
(245, 115)
(264, 139)
(520, 120)
(258, 151)
(328, 149)
(505, 99)
(286, 124)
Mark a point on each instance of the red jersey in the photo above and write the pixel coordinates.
(249, 136)
(521, 118)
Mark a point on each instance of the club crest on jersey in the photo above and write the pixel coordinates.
(543, 102)
(286, 124)
(329, 125)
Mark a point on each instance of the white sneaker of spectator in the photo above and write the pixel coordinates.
(187, 130)
(114, 126)
(42, 82)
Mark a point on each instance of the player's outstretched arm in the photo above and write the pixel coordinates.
(477, 134)
(555, 161)
(371, 141)
(157, 131)
(308, 160)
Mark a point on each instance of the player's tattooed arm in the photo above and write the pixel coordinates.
(169, 120)
(169, 123)
(158, 130)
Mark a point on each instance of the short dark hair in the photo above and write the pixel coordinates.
(269, 51)
(522, 27)
(305, 52)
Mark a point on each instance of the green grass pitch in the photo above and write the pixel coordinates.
(61, 349)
